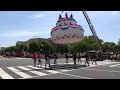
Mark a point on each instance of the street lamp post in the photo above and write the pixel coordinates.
(41, 47)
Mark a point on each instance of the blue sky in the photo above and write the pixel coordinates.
(23, 25)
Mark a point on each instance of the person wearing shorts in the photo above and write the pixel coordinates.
(39, 56)
(34, 57)
(47, 60)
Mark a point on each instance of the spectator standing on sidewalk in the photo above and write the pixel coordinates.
(13, 54)
(114, 56)
(118, 57)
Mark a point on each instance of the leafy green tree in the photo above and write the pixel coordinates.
(109, 46)
(21, 46)
(33, 47)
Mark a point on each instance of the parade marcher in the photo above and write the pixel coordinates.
(79, 57)
(95, 57)
(67, 57)
(34, 57)
(86, 59)
(39, 56)
(55, 58)
(47, 60)
(74, 59)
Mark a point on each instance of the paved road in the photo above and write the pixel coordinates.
(5, 62)
(23, 69)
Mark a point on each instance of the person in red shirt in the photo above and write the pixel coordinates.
(34, 57)
(39, 56)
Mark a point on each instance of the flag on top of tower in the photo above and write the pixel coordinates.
(66, 15)
(71, 16)
(60, 16)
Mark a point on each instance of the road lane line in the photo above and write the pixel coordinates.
(22, 74)
(5, 75)
(101, 70)
(76, 76)
(116, 65)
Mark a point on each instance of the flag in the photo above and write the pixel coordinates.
(71, 16)
(66, 15)
(60, 16)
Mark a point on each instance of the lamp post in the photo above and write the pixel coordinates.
(41, 47)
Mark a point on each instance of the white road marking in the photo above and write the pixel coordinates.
(35, 72)
(99, 64)
(101, 70)
(5, 75)
(22, 74)
(38, 73)
(117, 65)
(52, 71)
(64, 70)
(24, 68)
(76, 76)
(34, 67)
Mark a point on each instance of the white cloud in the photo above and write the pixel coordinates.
(43, 14)
(53, 12)
(37, 16)
(18, 34)
(26, 33)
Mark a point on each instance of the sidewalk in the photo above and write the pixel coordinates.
(12, 58)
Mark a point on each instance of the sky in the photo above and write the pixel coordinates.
(24, 25)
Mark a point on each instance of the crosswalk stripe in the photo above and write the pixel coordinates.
(22, 74)
(53, 71)
(35, 72)
(38, 73)
(30, 66)
(24, 68)
(64, 70)
(5, 75)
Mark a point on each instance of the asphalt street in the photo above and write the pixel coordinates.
(21, 68)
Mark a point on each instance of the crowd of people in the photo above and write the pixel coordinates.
(94, 57)
(76, 56)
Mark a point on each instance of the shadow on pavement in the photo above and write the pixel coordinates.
(66, 66)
